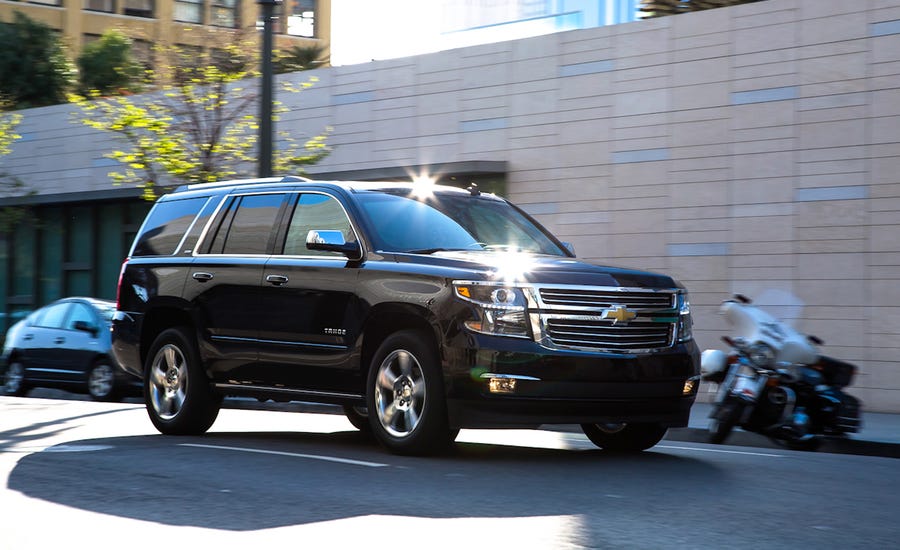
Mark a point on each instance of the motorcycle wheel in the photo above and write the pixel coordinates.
(725, 418)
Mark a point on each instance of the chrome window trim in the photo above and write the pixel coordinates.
(224, 199)
(346, 215)
(190, 228)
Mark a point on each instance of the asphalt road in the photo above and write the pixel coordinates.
(98, 475)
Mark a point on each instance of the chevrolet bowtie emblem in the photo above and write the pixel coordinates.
(619, 314)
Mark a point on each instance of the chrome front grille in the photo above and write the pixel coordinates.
(601, 298)
(576, 318)
(605, 335)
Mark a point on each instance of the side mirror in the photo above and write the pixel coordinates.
(332, 241)
(84, 326)
(570, 247)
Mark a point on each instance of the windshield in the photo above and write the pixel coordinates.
(451, 221)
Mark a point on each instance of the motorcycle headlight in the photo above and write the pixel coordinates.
(501, 309)
(761, 355)
(685, 321)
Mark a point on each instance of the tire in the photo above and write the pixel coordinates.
(14, 383)
(359, 417)
(624, 438)
(177, 393)
(405, 396)
(725, 418)
(101, 381)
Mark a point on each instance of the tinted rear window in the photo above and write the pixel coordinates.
(165, 226)
(248, 224)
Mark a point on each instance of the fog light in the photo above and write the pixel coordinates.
(689, 386)
(502, 385)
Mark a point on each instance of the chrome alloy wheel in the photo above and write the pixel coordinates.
(101, 380)
(168, 382)
(400, 393)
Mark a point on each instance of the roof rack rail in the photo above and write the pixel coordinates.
(229, 183)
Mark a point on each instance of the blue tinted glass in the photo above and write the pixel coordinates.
(165, 226)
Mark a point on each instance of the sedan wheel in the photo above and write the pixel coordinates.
(15, 379)
(102, 382)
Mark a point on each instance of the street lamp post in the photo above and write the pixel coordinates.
(265, 105)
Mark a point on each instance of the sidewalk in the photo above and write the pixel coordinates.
(879, 435)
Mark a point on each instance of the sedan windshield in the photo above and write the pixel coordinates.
(451, 221)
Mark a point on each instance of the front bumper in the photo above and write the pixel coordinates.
(566, 387)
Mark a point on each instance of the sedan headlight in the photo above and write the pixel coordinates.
(501, 308)
(685, 321)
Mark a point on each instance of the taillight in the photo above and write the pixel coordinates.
(119, 285)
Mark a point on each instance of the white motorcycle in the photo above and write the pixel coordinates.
(773, 381)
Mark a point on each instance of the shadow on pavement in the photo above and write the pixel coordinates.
(160, 479)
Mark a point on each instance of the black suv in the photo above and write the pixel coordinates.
(420, 310)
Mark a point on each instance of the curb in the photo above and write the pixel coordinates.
(835, 445)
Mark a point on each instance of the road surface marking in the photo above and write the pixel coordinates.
(717, 451)
(295, 455)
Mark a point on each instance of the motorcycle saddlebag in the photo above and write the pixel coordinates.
(836, 373)
(838, 412)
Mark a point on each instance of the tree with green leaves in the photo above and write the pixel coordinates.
(661, 8)
(106, 66)
(34, 70)
(298, 58)
(10, 216)
(200, 125)
(8, 123)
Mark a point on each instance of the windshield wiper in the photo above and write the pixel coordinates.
(437, 249)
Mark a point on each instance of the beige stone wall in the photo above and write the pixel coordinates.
(752, 149)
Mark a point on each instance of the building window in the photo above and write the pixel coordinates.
(302, 18)
(108, 6)
(139, 8)
(225, 13)
(189, 11)
(47, 2)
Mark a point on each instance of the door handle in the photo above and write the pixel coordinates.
(59, 340)
(276, 280)
(28, 337)
(202, 276)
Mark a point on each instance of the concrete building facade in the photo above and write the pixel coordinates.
(752, 149)
(171, 22)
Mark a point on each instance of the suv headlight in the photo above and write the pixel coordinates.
(685, 322)
(501, 308)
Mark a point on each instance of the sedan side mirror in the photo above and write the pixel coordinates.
(84, 326)
(333, 241)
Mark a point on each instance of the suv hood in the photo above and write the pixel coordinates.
(539, 269)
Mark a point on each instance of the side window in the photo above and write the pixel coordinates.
(318, 212)
(248, 225)
(52, 317)
(80, 312)
(166, 225)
